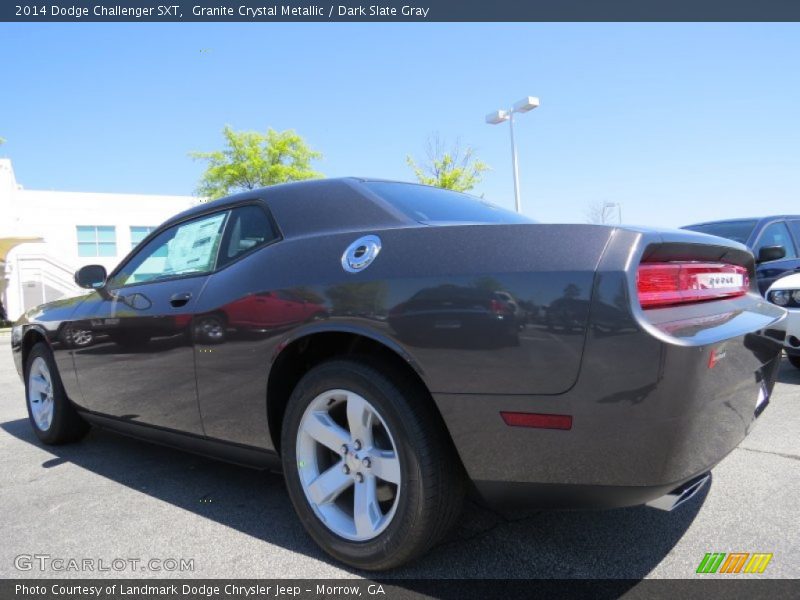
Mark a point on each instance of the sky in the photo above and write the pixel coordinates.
(678, 123)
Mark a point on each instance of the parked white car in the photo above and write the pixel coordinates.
(785, 292)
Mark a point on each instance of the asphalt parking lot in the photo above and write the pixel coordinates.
(111, 497)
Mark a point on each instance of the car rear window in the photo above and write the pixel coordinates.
(432, 206)
(738, 231)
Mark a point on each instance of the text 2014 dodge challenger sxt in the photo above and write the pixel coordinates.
(389, 343)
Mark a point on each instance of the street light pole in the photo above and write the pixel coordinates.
(514, 163)
(499, 116)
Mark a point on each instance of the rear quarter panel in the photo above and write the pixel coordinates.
(526, 348)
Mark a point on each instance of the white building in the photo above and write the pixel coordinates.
(46, 236)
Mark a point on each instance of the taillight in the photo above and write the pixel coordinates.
(666, 284)
(497, 307)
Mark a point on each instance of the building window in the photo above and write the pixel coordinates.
(97, 240)
(138, 234)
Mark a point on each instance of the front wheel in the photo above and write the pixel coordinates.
(368, 465)
(795, 360)
(211, 330)
(52, 416)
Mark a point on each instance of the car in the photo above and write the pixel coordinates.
(775, 241)
(457, 315)
(785, 292)
(414, 345)
(258, 313)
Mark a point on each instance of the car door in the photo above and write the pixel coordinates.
(794, 229)
(139, 362)
(232, 373)
(775, 234)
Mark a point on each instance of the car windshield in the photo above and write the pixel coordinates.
(431, 205)
(738, 231)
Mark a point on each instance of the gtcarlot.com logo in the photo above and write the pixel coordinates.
(47, 562)
(735, 562)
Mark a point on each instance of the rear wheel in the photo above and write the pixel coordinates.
(795, 360)
(369, 469)
(52, 416)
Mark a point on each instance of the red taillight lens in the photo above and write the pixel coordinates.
(666, 284)
(497, 307)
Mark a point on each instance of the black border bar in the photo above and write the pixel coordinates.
(34, 11)
(702, 587)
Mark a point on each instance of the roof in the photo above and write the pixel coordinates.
(316, 205)
(743, 219)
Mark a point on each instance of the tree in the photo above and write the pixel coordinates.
(308, 294)
(600, 212)
(252, 159)
(455, 168)
(487, 283)
(366, 298)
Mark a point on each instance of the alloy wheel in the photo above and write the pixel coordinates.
(348, 465)
(40, 393)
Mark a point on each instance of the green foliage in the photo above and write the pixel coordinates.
(251, 160)
(572, 291)
(308, 294)
(490, 284)
(363, 298)
(452, 169)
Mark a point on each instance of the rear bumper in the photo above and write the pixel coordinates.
(681, 494)
(521, 495)
(651, 411)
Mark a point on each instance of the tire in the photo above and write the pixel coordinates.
(51, 414)
(211, 329)
(408, 444)
(78, 338)
(795, 360)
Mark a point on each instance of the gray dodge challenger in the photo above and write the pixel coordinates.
(393, 347)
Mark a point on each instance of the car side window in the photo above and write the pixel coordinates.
(189, 248)
(794, 225)
(777, 234)
(249, 227)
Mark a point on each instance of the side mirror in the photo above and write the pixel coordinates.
(91, 277)
(769, 253)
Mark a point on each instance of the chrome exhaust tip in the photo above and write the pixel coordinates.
(680, 494)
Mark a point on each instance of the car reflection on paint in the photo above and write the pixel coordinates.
(457, 315)
(257, 313)
(121, 334)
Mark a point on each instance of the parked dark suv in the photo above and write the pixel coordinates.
(764, 236)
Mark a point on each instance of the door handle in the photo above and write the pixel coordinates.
(180, 299)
